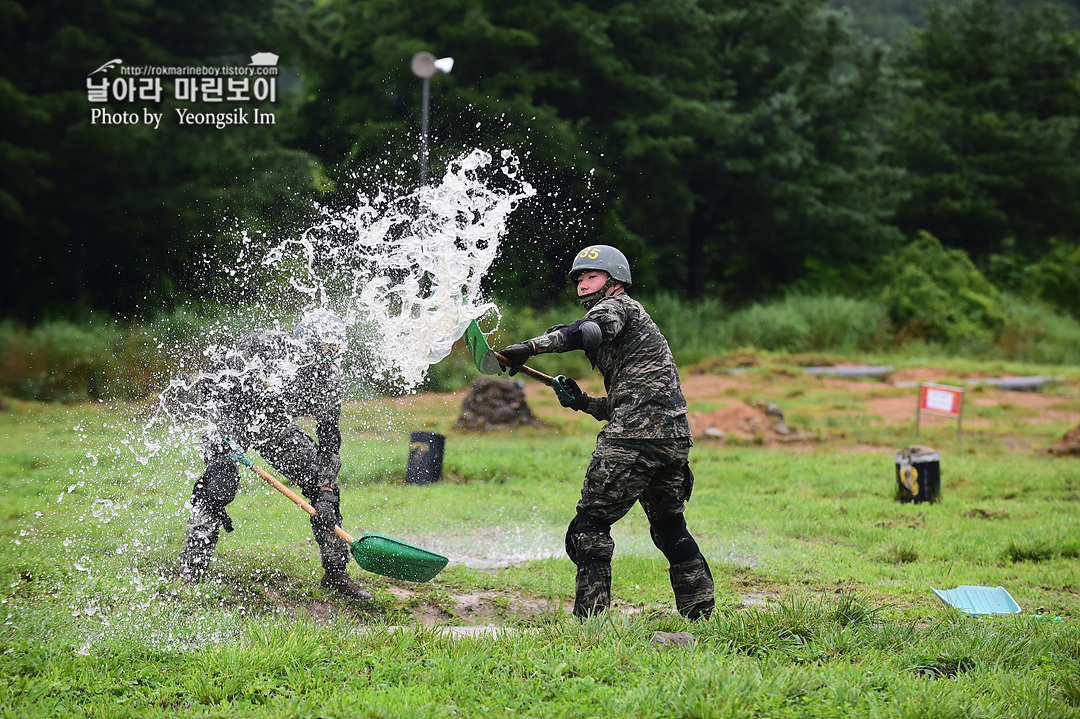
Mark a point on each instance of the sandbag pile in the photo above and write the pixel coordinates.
(494, 403)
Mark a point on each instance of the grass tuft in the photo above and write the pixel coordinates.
(902, 552)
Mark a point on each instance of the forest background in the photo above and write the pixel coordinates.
(924, 157)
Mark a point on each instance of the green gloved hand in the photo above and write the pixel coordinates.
(569, 393)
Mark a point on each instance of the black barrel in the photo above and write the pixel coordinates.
(425, 458)
(918, 474)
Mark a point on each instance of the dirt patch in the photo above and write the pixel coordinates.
(883, 403)
(476, 608)
(732, 360)
(892, 410)
(744, 422)
(980, 513)
(920, 374)
(1069, 445)
(1036, 408)
(711, 387)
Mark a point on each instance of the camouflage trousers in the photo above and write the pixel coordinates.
(293, 453)
(654, 473)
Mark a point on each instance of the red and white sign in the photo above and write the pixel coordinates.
(940, 399)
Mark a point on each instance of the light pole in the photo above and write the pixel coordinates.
(424, 66)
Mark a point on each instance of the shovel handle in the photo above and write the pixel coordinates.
(273, 482)
(527, 371)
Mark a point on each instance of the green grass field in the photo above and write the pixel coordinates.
(823, 579)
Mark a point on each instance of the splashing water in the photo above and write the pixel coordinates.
(405, 273)
(408, 269)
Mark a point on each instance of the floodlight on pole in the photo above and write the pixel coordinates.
(425, 66)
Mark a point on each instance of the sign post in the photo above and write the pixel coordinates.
(943, 401)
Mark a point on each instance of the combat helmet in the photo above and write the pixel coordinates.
(321, 330)
(605, 258)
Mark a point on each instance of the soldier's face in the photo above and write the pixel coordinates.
(590, 281)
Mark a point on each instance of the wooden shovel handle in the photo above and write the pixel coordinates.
(527, 371)
(273, 482)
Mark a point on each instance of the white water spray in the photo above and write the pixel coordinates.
(405, 272)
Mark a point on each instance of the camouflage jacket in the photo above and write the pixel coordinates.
(270, 380)
(644, 397)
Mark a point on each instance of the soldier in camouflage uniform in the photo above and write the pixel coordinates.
(270, 378)
(641, 453)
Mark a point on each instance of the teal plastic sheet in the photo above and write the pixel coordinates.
(979, 600)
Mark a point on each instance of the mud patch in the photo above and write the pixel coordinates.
(744, 423)
(477, 608)
(1069, 445)
(980, 513)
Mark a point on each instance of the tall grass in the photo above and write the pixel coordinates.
(63, 361)
(1033, 333)
(99, 358)
(811, 324)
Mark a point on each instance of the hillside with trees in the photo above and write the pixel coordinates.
(736, 149)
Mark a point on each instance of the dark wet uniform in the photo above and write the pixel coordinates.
(641, 455)
(267, 382)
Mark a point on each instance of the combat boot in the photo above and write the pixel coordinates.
(340, 583)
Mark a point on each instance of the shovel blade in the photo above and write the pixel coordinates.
(393, 558)
(485, 359)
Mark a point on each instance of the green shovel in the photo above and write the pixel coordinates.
(376, 553)
(488, 361)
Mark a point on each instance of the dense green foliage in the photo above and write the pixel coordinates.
(935, 293)
(123, 217)
(735, 149)
(934, 303)
(990, 134)
(894, 20)
(1053, 278)
(730, 140)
